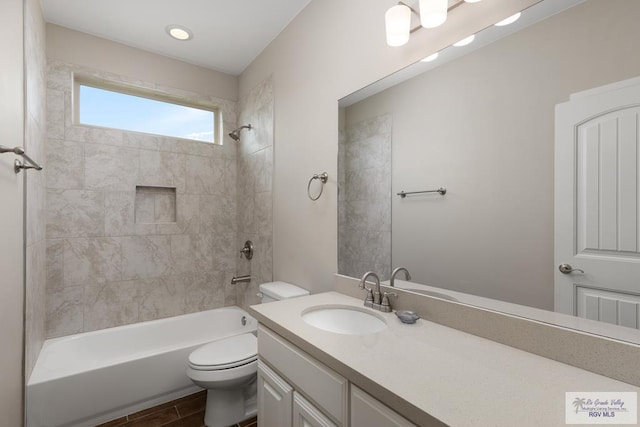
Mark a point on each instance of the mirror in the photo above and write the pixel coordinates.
(480, 121)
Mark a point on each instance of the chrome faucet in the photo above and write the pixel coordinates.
(407, 276)
(373, 297)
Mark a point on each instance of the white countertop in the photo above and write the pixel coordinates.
(426, 368)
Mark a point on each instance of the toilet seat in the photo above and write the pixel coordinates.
(226, 353)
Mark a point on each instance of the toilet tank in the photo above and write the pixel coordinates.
(276, 291)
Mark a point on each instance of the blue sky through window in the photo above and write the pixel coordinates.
(110, 109)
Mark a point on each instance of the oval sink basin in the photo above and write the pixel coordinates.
(343, 319)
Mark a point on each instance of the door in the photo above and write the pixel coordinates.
(275, 398)
(11, 214)
(597, 211)
(307, 415)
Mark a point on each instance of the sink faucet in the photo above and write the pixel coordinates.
(407, 276)
(373, 297)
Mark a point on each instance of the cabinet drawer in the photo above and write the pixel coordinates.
(367, 411)
(325, 387)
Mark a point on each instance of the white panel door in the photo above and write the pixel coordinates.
(307, 415)
(367, 411)
(275, 398)
(597, 202)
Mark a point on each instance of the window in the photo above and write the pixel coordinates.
(111, 105)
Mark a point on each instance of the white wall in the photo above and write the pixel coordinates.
(329, 50)
(11, 215)
(483, 127)
(82, 49)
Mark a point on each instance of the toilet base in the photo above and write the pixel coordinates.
(228, 407)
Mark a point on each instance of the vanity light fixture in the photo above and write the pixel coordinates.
(179, 32)
(431, 57)
(398, 25)
(433, 13)
(465, 41)
(509, 20)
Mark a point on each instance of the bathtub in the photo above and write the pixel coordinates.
(93, 377)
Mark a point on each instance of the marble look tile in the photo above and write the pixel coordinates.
(75, 213)
(59, 77)
(246, 213)
(162, 169)
(65, 164)
(145, 256)
(35, 210)
(368, 216)
(263, 169)
(35, 300)
(145, 207)
(218, 213)
(161, 297)
(120, 216)
(230, 292)
(203, 177)
(164, 208)
(55, 114)
(65, 312)
(110, 168)
(224, 251)
(204, 291)
(192, 253)
(92, 261)
(93, 135)
(263, 213)
(54, 264)
(109, 305)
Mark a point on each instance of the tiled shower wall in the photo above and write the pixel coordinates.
(103, 268)
(255, 177)
(364, 199)
(35, 125)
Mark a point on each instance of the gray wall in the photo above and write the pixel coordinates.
(483, 126)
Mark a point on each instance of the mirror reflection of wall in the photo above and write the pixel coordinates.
(483, 127)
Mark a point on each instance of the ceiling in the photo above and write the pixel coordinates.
(227, 34)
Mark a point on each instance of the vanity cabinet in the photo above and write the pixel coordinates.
(294, 389)
(367, 411)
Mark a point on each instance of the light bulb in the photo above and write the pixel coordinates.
(433, 13)
(509, 20)
(430, 58)
(398, 25)
(465, 41)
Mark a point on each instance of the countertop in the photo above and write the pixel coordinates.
(427, 371)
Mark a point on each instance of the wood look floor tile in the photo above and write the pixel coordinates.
(155, 419)
(191, 406)
(114, 423)
(193, 420)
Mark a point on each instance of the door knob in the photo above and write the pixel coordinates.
(566, 269)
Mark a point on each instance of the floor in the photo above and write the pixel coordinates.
(184, 412)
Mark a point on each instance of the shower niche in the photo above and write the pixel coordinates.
(155, 205)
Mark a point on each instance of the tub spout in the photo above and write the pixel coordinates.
(241, 279)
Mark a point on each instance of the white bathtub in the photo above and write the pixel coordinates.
(93, 377)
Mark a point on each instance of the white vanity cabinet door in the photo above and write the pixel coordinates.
(275, 398)
(307, 415)
(367, 411)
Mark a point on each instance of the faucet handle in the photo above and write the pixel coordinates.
(385, 306)
(368, 301)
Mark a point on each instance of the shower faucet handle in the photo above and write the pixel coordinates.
(247, 250)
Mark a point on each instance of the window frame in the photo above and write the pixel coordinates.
(144, 92)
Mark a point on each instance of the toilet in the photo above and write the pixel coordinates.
(227, 368)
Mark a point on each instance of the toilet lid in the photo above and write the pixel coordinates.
(225, 353)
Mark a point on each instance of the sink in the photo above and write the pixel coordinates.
(344, 319)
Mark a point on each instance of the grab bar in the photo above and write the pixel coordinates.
(442, 191)
(29, 162)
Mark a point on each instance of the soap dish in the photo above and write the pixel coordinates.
(407, 316)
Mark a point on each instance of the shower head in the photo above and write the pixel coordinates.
(235, 134)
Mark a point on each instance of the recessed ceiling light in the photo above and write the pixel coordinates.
(509, 20)
(465, 41)
(430, 58)
(179, 32)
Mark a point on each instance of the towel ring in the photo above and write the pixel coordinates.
(323, 177)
